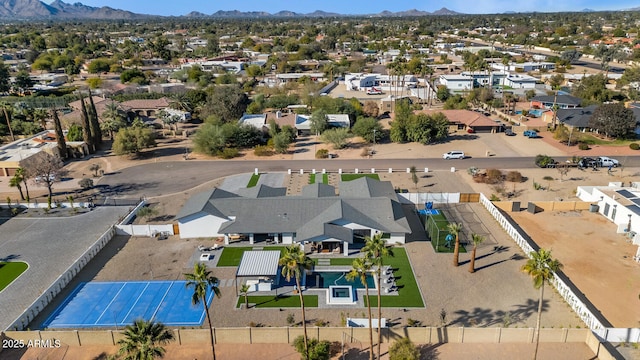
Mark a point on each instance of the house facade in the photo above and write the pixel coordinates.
(364, 207)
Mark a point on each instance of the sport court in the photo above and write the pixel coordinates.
(117, 304)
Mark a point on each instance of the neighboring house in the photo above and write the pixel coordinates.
(466, 120)
(18, 153)
(303, 122)
(619, 204)
(577, 119)
(464, 80)
(258, 121)
(561, 100)
(147, 107)
(364, 207)
(520, 81)
(75, 116)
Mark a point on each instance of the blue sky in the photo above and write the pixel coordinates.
(182, 7)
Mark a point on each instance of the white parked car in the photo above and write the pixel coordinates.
(456, 154)
(205, 257)
(606, 162)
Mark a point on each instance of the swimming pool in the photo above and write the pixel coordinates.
(324, 279)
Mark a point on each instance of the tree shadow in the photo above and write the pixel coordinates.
(102, 356)
(429, 351)
(486, 317)
(9, 258)
(125, 188)
(515, 257)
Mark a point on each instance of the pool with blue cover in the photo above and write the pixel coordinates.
(117, 304)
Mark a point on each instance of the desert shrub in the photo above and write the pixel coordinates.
(291, 319)
(228, 153)
(86, 183)
(514, 176)
(322, 154)
(473, 171)
(262, 150)
(403, 349)
(494, 176)
(318, 350)
(544, 160)
(583, 146)
(634, 146)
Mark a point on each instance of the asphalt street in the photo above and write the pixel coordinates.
(164, 178)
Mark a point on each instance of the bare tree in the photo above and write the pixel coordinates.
(46, 169)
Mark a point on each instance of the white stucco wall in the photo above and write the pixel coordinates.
(200, 225)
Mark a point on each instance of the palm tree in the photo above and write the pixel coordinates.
(244, 290)
(477, 240)
(24, 175)
(143, 340)
(15, 181)
(294, 262)
(40, 115)
(376, 250)
(454, 229)
(6, 108)
(541, 267)
(201, 280)
(360, 269)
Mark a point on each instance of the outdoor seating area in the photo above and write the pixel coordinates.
(388, 281)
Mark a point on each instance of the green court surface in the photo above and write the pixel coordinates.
(10, 271)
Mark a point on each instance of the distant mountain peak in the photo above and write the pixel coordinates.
(29, 9)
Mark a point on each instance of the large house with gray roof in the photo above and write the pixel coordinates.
(363, 207)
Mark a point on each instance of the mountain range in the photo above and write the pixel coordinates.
(36, 9)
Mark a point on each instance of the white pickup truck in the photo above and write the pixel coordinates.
(606, 161)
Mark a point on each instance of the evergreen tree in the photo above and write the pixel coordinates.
(94, 123)
(62, 144)
(86, 129)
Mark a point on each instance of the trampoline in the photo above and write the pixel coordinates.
(117, 304)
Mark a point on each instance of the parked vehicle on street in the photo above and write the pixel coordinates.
(587, 162)
(607, 162)
(456, 154)
(374, 91)
(509, 132)
(531, 134)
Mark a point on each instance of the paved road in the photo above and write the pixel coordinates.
(156, 179)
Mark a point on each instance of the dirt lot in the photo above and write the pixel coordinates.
(597, 260)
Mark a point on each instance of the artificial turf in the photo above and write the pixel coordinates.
(10, 271)
(271, 301)
(231, 256)
(349, 177)
(254, 180)
(408, 291)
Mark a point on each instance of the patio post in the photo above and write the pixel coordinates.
(346, 248)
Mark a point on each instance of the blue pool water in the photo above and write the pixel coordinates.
(534, 112)
(326, 279)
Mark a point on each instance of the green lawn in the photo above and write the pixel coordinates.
(408, 291)
(231, 256)
(280, 302)
(349, 177)
(253, 181)
(10, 271)
(313, 178)
(438, 242)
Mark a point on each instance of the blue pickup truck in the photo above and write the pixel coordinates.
(531, 134)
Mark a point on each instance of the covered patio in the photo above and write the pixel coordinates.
(259, 270)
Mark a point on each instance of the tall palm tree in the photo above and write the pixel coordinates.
(16, 182)
(541, 267)
(477, 240)
(201, 281)
(376, 249)
(360, 269)
(6, 109)
(40, 115)
(454, 229)
(294, 262)
(143, 340)
(24, 175)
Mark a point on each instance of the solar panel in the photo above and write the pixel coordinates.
(627, 194)
(634, 208)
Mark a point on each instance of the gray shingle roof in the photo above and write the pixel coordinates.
(202, 202)
(560, 99)
(576, 117)
(318, 190)
(316, 214)
(261, 191)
